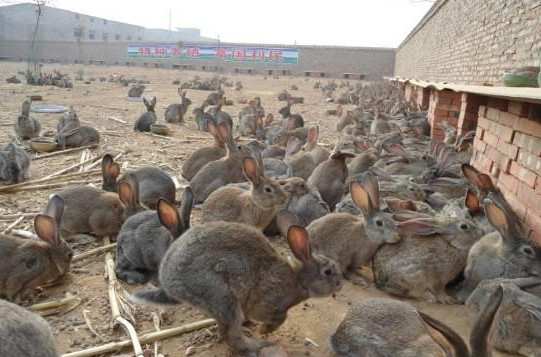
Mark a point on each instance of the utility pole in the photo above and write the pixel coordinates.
(169, 19)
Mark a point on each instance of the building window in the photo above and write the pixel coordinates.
(128, 37)
(139, 38)
(91, 35)
(105, 36)
(117, 37)
(105, 22)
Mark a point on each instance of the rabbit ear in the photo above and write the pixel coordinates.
(145, 101)
(187, 202)
(26, 107)
(481, 335)
(47, 229)
(153, 103)
(351, 114)
(211, 127)
(497, 218)
(471, 174)
(339, 110)
(224, 132)
(55, 209)
(284, 220)
(293, 145)
(396, 205)
(299, 243)
(181, 92)
(126, 193)
(134, 185)
(408, 215)
(486, 183)
(313, 134)
(449, 340)
(370, 184)
(169, 217)
(338, 155)
(472, 203)
(251, 170)
(109, 168)
(396, 149)
(360, 197)
(269, 119)
(421, 226)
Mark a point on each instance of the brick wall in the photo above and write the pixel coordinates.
(507, 145)
(472, 41)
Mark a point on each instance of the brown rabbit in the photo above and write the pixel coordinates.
(256, 207)
(204, 155)
(220, 172)
(352, 241)
(175, 112)
(304, 162)
(25, 126)
(385, 327)
(431, 253)
(28, 263)
(233, 272)
(330, 178)
(91, 210)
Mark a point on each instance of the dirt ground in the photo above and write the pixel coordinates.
(309, 325)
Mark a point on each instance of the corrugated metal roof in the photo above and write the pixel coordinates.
(531, 95)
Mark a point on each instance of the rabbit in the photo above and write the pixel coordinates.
(29, 263)
(202, 118)
(152, 183)
(516, 325)
(256, 207)
(330, 176)
(175, 113)
(14, 164)
(204, 155)
(24, 333)
(234, 273)
(384, 327)
(215, 98)
(221, 116)
(431, 253)
(145, 237)
(91, 210)
(275, 168)
(352, 241)
(80, 136)
(220, 172)
(343, 121)
(148, 118)
(27, 127)
(303, 162)
(136, 91)
(507, 253)
(291, 121)
(362, 162)
(68, 121)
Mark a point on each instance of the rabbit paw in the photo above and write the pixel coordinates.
(443, 298)
(357, 280)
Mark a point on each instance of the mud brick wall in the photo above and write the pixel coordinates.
(472, 41)
(507, 146)
(445, 106)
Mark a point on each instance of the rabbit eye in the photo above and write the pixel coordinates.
(424, 157)
(327, 271)
(268, 189)
(379, 222)
(411, 179)
(30, 263)
(528, 251)
(239, 147)
(463, 226)
(411, 189)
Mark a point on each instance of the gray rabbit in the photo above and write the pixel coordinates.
(175, 112)
(145, 237)
(14, 164)
(68, 121)
(78, 136)
(385, 327)
(27, 127)
(136, 91)
(148, 118)
(24, 333)
(233, 272)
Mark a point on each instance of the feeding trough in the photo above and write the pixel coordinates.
(160, 129)
(49, 108)
(43, 144)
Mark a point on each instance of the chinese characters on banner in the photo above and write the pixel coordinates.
(236, 54)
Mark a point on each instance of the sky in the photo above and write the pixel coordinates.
(371, 23)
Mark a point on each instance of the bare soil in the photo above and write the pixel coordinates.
(315, 320)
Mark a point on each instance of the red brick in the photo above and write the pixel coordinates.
(484, 122)
(497, 103)
(533, 220)
(443, 100)
(479, 132)
(493, 114)
(504, 132)
(491, 139)
(510, 183)
(482, 111)
(441, 113)
(523, 174)
(484, 164)
(529, 126)
(529, 197)
(535, 236)
(508, 119)
(493, 154)
(518, 207)
(535, 112)
(479, 145)
(509, 150)
(530, 161)
(519, 108)
(448, 94)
